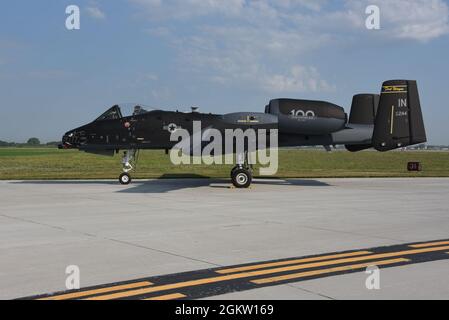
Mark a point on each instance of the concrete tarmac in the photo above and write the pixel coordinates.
(159, 227)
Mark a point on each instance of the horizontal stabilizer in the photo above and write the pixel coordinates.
(358, 147)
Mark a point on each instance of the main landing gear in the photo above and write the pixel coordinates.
(241, 177)
(128, 163)
(242, 174)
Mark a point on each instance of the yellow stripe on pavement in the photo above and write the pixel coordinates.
(81, 294)
(167, 297)
(428, 244)
(283, 263)
(192, 283)
(325, 271)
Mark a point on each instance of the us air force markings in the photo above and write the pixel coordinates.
(213, 282)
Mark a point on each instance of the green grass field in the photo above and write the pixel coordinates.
(50, 163)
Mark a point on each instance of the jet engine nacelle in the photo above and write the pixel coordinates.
(307, 117)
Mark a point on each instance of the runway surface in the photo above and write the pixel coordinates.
(166, 232)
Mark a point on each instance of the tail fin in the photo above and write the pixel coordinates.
(399, 121)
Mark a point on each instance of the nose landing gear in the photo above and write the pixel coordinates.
(125, 178)
(128, 163)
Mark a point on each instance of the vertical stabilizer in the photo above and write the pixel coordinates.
(399, 121)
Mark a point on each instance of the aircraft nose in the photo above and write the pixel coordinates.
(69, 140)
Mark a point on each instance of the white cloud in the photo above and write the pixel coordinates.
(245, 55)
(315, 5)
(142, 80)
(415, 20)
(421, 20)
(95, 12)
(418, 20)
(248, 50)
(263, 43)
(407, 19)
(161, 93)
(159, 31)
(299, 79)
(185, 9)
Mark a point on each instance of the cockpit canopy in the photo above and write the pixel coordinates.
(116, 112)
(112, 114)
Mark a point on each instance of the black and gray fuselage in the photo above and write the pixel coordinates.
(299, 123)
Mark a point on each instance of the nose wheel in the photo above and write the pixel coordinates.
(128, 163)
(125, 179)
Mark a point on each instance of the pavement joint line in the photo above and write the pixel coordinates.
(163, 251)
(347, 232)
(48, 226)
(110, 239)
(316, 228)
(310, 291)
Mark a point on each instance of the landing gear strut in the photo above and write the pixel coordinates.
(128, 163)
(241, 174)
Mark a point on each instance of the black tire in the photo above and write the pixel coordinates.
(241, 178)
(125, 179)
(233, 169)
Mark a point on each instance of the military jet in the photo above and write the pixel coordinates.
(384, 122)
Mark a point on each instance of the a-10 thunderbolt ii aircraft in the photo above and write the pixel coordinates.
(384, 122)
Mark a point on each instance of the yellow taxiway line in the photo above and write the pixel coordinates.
(429, 244)
(81, 294)
(329, 270)
(288, 262)
(210, 280)
(167, 297)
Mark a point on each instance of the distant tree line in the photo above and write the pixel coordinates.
(33, 142)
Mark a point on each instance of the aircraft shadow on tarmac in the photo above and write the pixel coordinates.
(168, 183)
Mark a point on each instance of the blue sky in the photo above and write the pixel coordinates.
(221, 55)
